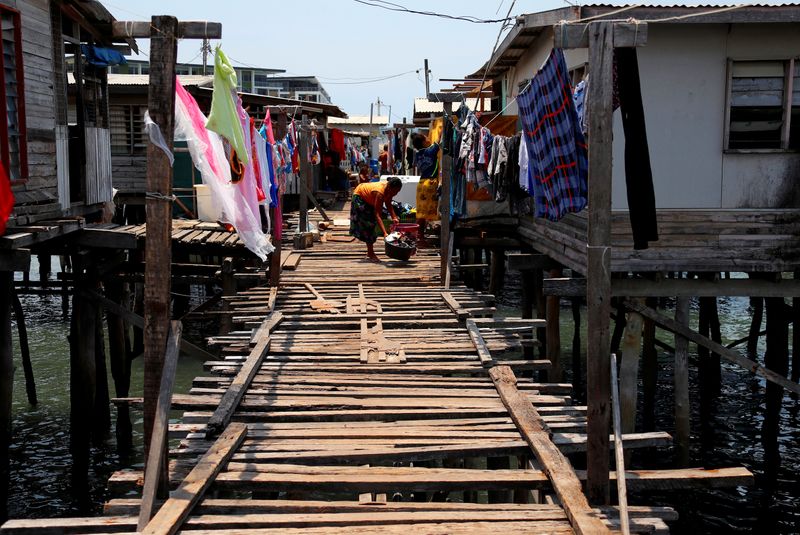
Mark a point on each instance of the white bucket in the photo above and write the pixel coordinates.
(207, 209)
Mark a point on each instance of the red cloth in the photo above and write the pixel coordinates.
(337, 142)
(6, 199)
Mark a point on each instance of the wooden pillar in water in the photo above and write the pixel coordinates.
(577, 368)
(158, 247)
(649, 369)
(45, 267)
(553, 332)
(65, 269)
(228, 289)
(102, 406)
(598, 274)
(541, 310)
(6, 384)
(681, 378)
(631, 349)
(24, 349)
(796, 335)
(497, 271)
(776, 359)
(82, 376)
(709, 363)
(120, 367)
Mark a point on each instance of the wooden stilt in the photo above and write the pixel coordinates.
(577, 373)
(776, 359)
(65, 269)
(158, 247)
(681, 377)
(757, 304)
(45, 267)
(82, 378)
(497, 271)
(553, 332)
(120, 367)
(102, 407)
(619, 326)
(629, 370)
(24, 349)
(796, 335)
(228, 289)
(649, 369)
(541, 310)
(6, 384)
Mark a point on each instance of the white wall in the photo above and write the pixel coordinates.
(683, 73)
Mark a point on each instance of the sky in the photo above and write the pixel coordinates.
(345, 43)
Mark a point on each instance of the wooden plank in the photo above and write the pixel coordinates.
(576, 34)
(728, 354)
(619, 456)
(235, 392)
(480, 344)
(558, 469)
(187, 29)
(156, 459)
(598, 256)
(176, 509)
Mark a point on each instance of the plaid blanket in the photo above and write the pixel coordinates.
(556, 147)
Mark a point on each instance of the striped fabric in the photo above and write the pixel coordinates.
(556, 147)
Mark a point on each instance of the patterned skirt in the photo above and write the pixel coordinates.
(362, 220)
(427, 200)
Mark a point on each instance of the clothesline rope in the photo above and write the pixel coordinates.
(664, 19)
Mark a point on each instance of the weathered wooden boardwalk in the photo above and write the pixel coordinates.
(359, 398)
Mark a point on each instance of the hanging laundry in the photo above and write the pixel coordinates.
(579, 96)
(313, 151)
(224, 116)
(638, 173)
(337, 143)
(435, 130)
(208, 156)
(557, 156)
(260, 164)
(102, 57)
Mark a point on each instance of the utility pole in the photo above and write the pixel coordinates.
(206, 50)
(427, 79)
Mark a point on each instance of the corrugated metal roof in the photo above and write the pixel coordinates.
(377, 120)
(423, 105)
(144, 79)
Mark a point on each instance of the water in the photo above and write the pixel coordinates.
(40, 459)
(730, 436)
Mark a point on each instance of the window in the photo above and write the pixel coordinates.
(127, 130)
(13, 144)
(764, 105)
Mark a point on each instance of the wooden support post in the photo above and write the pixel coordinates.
(681, 378)
(102, 406)
(304, 178)
(553, 333)
(649, 369)
(444, 200)
(82, 377)
(598, 273)
(796, 335)
(776, 359)
(24, 349)
(577, 373)
(45, 267)
(6, 385)
(541, 310)
(497, 271)
(757, 304)
(120, 367)
(228, 289)
(65, 268)
(629, 370)
(158, 247)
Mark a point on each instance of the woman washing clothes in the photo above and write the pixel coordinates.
(366, 209)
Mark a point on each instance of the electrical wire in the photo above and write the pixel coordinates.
(372, 80)
(397, 7)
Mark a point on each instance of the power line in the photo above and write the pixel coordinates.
(397, 7)
(372, 80)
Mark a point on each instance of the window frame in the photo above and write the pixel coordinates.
(5, 155)
(790, 64)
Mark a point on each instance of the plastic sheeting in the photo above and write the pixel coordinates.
(208, 156)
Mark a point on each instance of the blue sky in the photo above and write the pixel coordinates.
(343, 41)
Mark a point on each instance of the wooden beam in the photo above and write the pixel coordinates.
(176, 510)
(576, 35)
(576, 287)
(15, 260)
(235, 392)
(728, 354)
(553, 463)
(528, 262)
(480, 345)
(156, 456)
(598, 254)
(187, 29)
(105, 238)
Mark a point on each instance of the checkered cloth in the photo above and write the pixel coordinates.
(556, 147)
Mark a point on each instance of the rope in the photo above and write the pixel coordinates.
(159, 196)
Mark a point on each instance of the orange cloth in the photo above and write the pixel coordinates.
(435, 130)
(369, 191)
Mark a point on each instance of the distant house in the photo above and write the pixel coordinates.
(59, 162)
(721, 92)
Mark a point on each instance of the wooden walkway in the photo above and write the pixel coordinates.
(358, 398)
